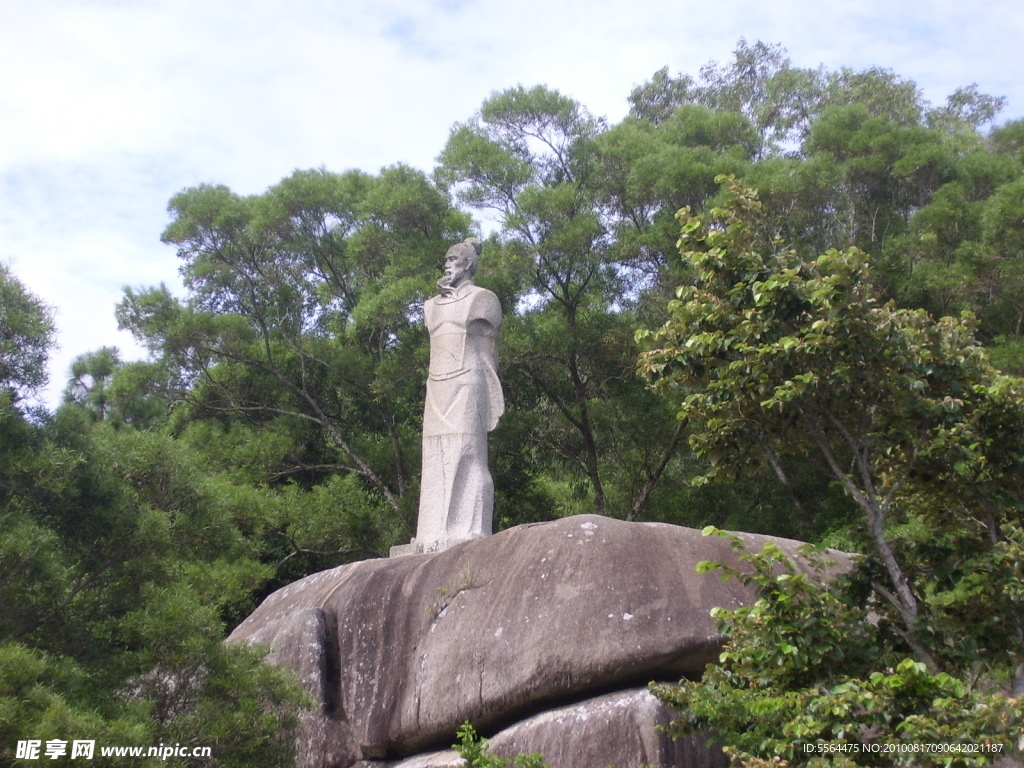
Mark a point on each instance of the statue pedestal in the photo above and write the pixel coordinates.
(415, 547)
(412, 548)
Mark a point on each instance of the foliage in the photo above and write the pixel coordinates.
(26, 334)
(769, 354)
(776, 355)
(300, 318)
(474, 750)
(274, 431)
(783, 101)
(582, 216)
(134, 394)
(90, 379)
(526, 156)
(119, 564)
(302, 311)
(860, 158)
(807, 678)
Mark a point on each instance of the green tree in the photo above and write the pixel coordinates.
(783, 101)
(526, 157)
(539, 162)
(26, 335)
(884, 169)
(302, 310)
(90, 379)
(774, 354)
(843, 158)
(760, 83)
(804, 679)
(120, 563)
(967, 108)
(648, 171)
(1002, 275)
(770, 354)
(860, 158)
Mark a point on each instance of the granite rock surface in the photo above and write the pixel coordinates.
(400, 652)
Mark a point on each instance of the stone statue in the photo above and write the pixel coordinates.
(464, 403)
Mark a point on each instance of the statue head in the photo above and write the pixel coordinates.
(460, 265)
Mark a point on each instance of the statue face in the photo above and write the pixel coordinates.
(458, 267)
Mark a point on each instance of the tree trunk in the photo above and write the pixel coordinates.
(653, 477)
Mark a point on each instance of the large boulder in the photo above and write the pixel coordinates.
(619, 729)
(400, 652)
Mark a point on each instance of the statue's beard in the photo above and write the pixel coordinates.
(450, 281)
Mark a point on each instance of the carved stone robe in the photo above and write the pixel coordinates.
(464, 402)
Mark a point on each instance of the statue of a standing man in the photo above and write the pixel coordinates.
(464, 403)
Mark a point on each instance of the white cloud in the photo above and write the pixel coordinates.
(109, 108)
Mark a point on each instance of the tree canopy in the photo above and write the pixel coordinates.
(26, 335)
(771, 353)
(836, 363)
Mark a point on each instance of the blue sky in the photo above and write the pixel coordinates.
(108, 108)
